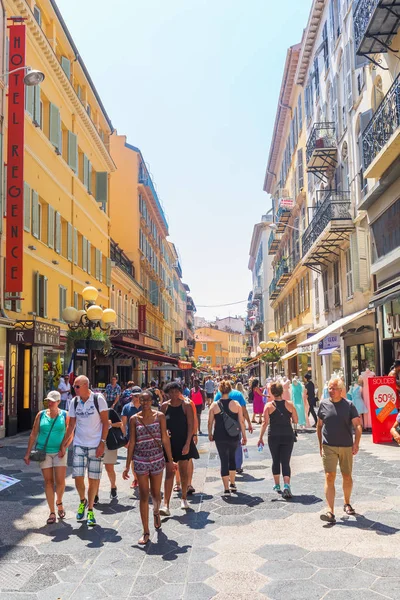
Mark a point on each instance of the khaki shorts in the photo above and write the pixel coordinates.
(53, 460)
(110, 457)
(332, 455)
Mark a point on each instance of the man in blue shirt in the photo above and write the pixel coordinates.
(238, 396)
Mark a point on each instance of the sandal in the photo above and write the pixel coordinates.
(157, 521)
(61, 511)
(144, 539)
(51, 520)
(329, 517)
(177, 488)
(190, 489)
(348, 509)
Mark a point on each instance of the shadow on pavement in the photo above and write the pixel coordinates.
(361, 522)
(97, 536)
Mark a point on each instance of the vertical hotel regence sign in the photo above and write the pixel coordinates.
(15, 161)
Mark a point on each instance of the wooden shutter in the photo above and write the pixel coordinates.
(85, 170)
(101, 266)
(66, 66)
(363, 266)
(96, 259)
(73, 151)
(355, 261)
(102, 188)
(35, 214)
(84, 253)
(89, 183)
(89, 257)
(58, 233)
(75, 246)
(36, 105)
(36, 291)
(69, 241)
(108, 272)
(55, 127)
(349, 77)
(45, 296)
(76, 300)
(50, 226)
(27, 207)
(300, 113)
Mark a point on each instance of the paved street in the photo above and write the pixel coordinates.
(253, 545)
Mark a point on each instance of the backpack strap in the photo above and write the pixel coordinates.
(96, 402)
(75, 404)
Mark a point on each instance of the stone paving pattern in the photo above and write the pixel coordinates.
(251, 545)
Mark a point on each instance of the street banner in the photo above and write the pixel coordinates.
(382, 396)
(15, 161)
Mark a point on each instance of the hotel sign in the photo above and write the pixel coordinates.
(34, 333)
(15, 161)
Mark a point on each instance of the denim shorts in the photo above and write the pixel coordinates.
(85, 458)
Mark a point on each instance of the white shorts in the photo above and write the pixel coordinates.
(53, 460)
(110, 457)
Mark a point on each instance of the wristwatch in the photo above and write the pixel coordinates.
(104, 441)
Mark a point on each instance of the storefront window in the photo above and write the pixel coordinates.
(53, 369)
(360, 358)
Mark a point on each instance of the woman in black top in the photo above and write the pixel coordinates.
(279, 415)
(226, 444)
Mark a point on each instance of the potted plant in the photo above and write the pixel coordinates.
(95, 339)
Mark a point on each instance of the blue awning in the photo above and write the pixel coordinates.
(328, 351)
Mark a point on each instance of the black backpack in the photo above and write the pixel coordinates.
(232, 427)
(115, 438)
(95, 400)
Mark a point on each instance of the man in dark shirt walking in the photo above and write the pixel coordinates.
(337, 417)
(311, 398)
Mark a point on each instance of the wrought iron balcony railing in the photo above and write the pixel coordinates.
(331, 205)
(322, 140)
(273, 243)
(375, 24)
(121, 260)
(257, 292)
(273, 289)
(383, 124)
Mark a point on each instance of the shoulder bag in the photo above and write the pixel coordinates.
(115, 438)
(40, 455)
(232, 427)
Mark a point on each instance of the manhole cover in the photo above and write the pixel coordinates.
(15, 575)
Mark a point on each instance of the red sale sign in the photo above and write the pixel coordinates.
(382, 397)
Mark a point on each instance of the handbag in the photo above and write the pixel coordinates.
(116, 439)
(39, 455)
(232, 427)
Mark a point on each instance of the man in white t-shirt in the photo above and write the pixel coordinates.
(64, 388)
(88, 414)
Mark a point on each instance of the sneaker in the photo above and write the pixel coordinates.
(96, 500)
(232, 487)
(184, 504)
(287, 493)
(114, 494)
(91, 521)
(165, 512)
(81, 510)
(227, 492)
(276, 488)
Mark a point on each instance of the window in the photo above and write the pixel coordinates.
(204, 347)
(62, 300)
(50, 226)
(377, 93)
(55, 128)
(37, 13)
(386, 232)
(316, 296)
(27, 207)
(349, 274)
(66, 66)
(41, 295)
(336, 283)
(325, 290)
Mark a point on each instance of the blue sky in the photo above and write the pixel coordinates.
(194, 84)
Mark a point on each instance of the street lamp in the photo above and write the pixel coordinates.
(92, 316)
(274, 347)
(32, 76)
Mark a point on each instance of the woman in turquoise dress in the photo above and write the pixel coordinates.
(297, 399)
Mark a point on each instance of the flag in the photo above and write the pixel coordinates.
(71, 370)
(57, 372)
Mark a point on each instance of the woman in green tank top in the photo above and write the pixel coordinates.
(48, 433)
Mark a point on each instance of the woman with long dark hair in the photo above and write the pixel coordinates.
(258, 402)
(148, 438)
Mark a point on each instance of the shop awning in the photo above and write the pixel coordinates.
(290, 354)
(295, 332)
(315, 339)
(386, 296)
(328, 351)
(144, 354)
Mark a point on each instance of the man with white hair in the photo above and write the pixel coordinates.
(88, 414)
(337, 417)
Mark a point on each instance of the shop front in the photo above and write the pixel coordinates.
(34, 361)
(390, 344)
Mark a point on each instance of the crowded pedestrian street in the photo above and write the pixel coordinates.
(252, 544)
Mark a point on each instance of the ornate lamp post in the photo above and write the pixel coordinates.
(274, 349)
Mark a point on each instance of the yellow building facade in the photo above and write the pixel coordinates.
(67, 164)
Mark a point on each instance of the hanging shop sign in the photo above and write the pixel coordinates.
(331, 341)
(382, 394)
(34, 333)
(15, 161)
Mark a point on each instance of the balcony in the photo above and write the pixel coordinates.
(381, 137)
(273, 243)
(258, 293)
(284, 210)
(178, 335)
(121, 260)
(329, 227)
(375, 24)
(273, 289)
(257, 323)
(321, 150)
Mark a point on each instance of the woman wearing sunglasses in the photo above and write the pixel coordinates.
(148, 439)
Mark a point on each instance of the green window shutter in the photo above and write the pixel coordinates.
(75, 246)
(66, 66)
(108, 272)
(45, 281)
(50, 226)
(36, 104)
(89, 183)
(58, 233)
(73, 151)
(85, 170)
(355, 260)
(84, 253)
(89, 258)
(29, 99)
(36, 291)
(100, 265)
(363, 268)
(69, 241)
(102, 188)
(35, 214)
(97, 263)
(76, 300)
(27, 207)
(79, 92)
(55, 127)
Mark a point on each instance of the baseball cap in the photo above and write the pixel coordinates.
(53, 396)
(136, 390)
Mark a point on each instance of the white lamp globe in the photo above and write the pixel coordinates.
(253, 354)
(90, 293)
(109, 315)
(94, 313)
(70, 314)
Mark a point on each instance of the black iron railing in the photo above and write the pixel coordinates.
(362, 17)
(331, 206)
(120, 258)
(271, 240)
(383, 124)
(322, 136)
(272, 287)
(282, 268)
